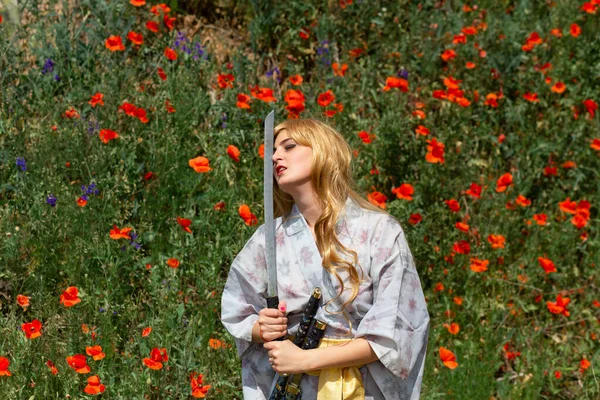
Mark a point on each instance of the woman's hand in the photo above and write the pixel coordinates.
(272, 323)
(286, 357)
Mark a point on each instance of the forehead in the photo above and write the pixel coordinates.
(283, 135)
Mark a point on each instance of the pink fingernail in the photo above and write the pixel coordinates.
(282, 309)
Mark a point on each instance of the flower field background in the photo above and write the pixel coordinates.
(131, 175)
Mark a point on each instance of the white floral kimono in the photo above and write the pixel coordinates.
(389, 312)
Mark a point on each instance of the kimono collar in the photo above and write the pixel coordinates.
(296, 221)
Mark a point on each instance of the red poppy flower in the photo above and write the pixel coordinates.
(474, 190)
(95, 352)
(504, 182)
(185, 224)
(547, 265)
(478, 265)
(4, 363)
(344, 3)
(70, 113)
(94, 386)
(263, 94)
(233, 152)
(559, 306)
(140, 113)
(97, 99)
(461, 38)
(392, 82)
(414, 219)
(69, 297)
(161, 74)
(491, 100)
(404, 191)
(435, 152)
(378, 199)
(304, 33)
(117, 233)
(23, 301)
(575, 30)
(245, 213)
(200, 164)
(243, 101)
(220, 206)
(591, 107)
(356, 52)
(106, 135)
(497, 241)
(173, 263)
(162, 7)
(326, 98)
(114, 43)
(470, 65)
(169, 22)
(146, 331)
(225, 81)
(128, 109)
(461, 247)
(365, 137)
(296, 80)
(453, 205)
(453, 328)
(522, 201)
(462, 226)
(136, 38)
(532, 97)
(261, 151)
(137, 3)
(157, 358)
(448, 55)
(170, 54)
(448, 358)
(339, 70)
(558, 87)
(151, 25)
(79, 363)
(199, 390)
(52, 367)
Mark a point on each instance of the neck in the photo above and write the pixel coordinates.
(309, 207)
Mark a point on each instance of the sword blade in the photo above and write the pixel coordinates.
(268, 198)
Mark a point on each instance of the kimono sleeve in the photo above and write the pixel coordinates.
(244, 294)
(397, 324)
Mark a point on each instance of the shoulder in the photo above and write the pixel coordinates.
(382, 222)
(260, 232)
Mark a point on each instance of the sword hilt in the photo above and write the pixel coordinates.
(273, 302)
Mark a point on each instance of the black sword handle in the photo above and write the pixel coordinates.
(273, 302)
(303, 328)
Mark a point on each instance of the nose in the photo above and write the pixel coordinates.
(275, 156)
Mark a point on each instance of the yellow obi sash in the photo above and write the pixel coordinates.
(338, 383)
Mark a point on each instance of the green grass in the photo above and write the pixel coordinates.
(45, 249)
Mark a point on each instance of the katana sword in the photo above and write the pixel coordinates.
(272, 298)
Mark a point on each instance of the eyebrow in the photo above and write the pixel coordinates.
(282, 142)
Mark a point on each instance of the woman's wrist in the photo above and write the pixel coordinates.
(311, 360)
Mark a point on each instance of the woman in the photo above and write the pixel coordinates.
(327, 236)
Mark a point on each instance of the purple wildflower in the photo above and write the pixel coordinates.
(402, 74)
(48, 66)
(21, 163)
(51, 200)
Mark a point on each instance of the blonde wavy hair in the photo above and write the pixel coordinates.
(332, 182)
